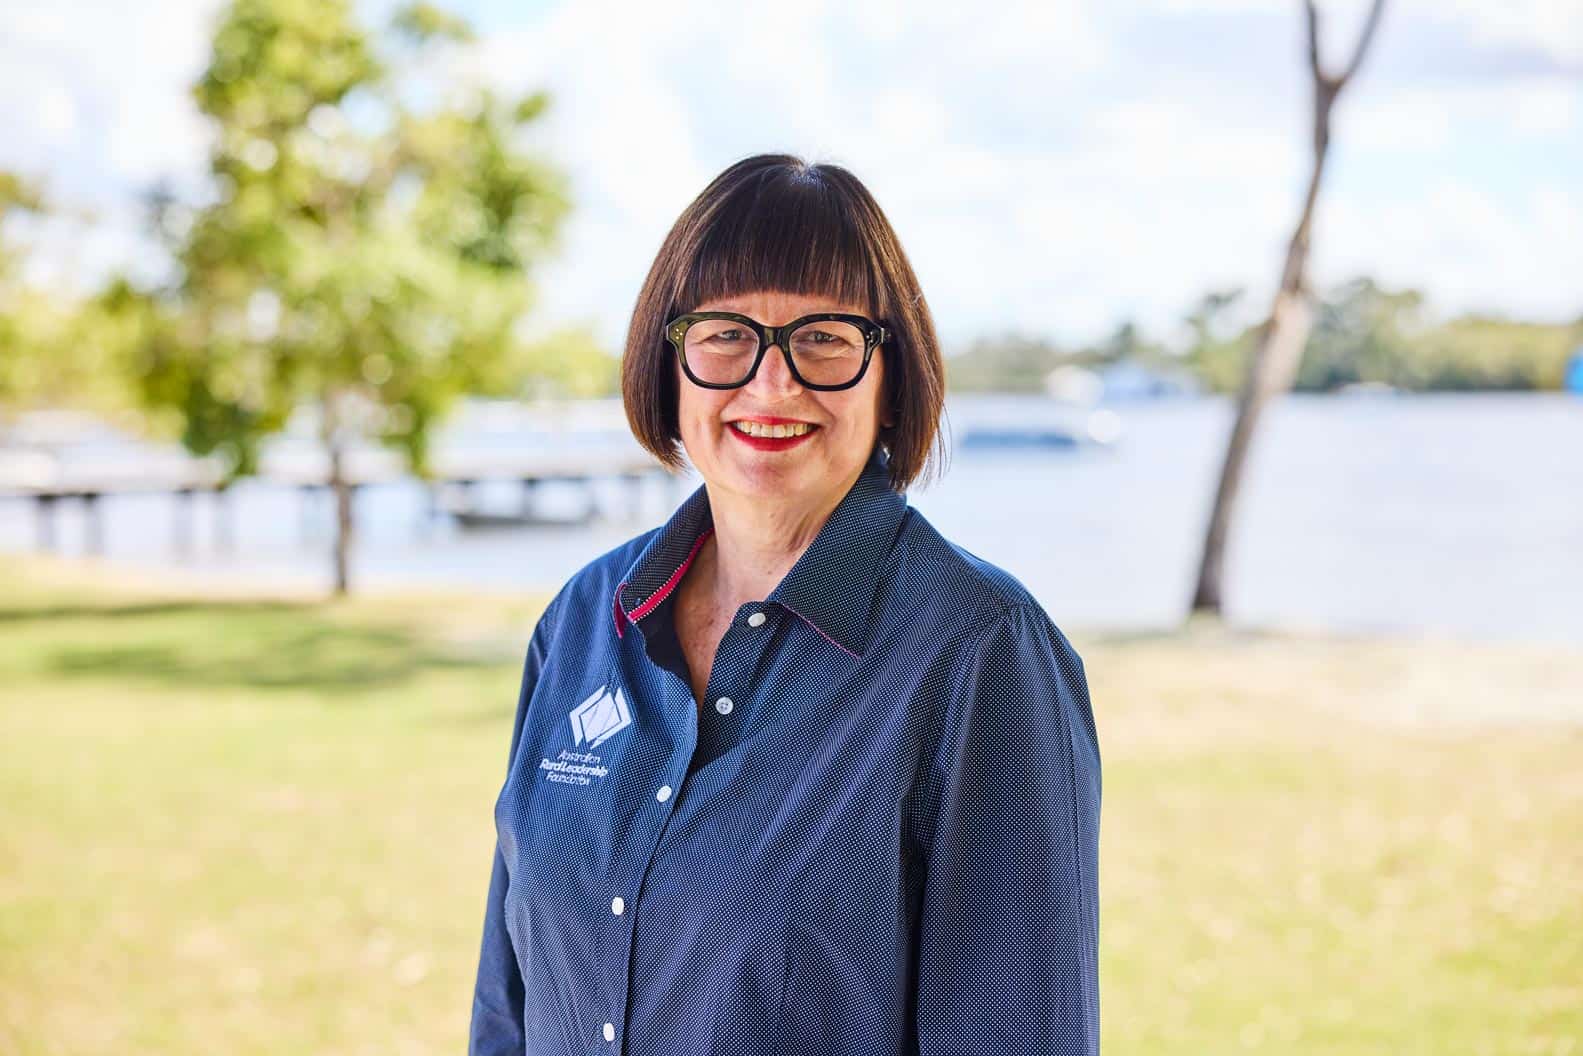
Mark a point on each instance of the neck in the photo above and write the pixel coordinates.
(756, 543)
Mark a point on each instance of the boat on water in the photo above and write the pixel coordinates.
(1020, 438)
(1078, 408)
(1572, 378)
(1368, 388)
(1053, 427)
(491, 520)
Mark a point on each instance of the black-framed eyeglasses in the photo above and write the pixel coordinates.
(826, 351)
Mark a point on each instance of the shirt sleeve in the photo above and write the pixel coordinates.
(1008, 932)
(496, 1026)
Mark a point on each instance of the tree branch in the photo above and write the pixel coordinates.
(1313, 40)
(1364, 39)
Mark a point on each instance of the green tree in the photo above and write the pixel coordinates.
(55, 347)
(1217, 356)
(1488, 352)
(1009, 363)
(1365, 332)
(366, 251)
(21, 364)
(569, 364)
(1361, 332)
(1125, 343)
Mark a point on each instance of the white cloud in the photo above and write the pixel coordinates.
(106, 80)
(1046, 167)
(1488, 256)
(1414, 122)
(100, 112)
(1433, 118)
(1547, 111)
(1552, 27)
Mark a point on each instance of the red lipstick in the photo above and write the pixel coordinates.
(771, 443)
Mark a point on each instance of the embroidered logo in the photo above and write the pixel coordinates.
(600, 716)
(594, 721)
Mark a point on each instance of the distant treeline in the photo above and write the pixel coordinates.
(1363, 333)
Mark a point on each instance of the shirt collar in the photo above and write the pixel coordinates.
(831, 586)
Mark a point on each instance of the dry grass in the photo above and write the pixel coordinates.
(1340, 846)
(262, 826)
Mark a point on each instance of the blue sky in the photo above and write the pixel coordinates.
(1052, 167)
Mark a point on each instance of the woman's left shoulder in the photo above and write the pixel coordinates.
(962, 593)
(1018, 686)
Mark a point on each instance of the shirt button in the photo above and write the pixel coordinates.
(617, 905)
(610, 1032)
(663, 794)
(756, 620)
(723, 705)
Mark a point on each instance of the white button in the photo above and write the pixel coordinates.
(756, 620)
(610, 1032)
(616, 905)
(663, 794)
(723, 705)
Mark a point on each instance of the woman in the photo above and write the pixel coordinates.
(792, 774)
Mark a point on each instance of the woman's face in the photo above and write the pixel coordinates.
(812, 473)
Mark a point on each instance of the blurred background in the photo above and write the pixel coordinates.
(1265, 343)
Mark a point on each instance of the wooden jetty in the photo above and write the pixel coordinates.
(46, 481)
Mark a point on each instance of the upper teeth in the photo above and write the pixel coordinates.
(760, 429)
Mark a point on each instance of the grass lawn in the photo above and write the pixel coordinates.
(239, 826)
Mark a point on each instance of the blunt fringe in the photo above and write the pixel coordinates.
(776, 222)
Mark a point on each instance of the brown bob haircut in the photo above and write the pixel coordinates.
(775, 222)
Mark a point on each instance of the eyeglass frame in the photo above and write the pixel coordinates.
(874, 335)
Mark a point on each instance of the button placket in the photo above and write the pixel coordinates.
(739, 654)
(623, 921)
(731, 645)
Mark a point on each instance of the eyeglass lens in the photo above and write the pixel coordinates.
(825, 352)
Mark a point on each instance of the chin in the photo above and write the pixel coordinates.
(767, 476)
(770, 476)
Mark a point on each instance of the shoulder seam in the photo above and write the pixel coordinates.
(946, 552)
(952, 717)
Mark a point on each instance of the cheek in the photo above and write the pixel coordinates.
(874, 400)
(865, 406)
(697, 409)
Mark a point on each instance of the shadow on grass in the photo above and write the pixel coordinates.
(48, 613)
(261, 645)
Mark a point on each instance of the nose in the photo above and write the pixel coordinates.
(774, 377)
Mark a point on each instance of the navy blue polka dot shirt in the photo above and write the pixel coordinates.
(878, 834)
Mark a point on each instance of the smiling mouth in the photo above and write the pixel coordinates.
(763, 429)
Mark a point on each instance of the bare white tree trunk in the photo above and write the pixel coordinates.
(341, 489)
(1278, 349)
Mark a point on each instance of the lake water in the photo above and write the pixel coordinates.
(1453, 514)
